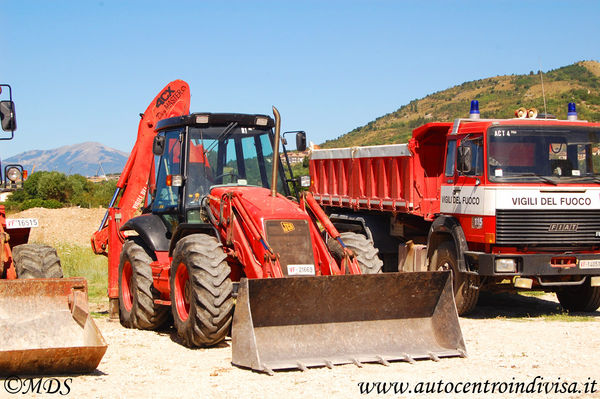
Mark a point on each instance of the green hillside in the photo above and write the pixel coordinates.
(498, 97)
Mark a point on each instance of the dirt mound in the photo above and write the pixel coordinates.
(65, 225)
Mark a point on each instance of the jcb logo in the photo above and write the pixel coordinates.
(287, 227)
(164, 96)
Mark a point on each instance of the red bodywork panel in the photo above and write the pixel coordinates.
(406, 179)
(243, 213)
(137, 176)
(8, 240)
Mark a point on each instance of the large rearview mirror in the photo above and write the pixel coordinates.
(300, 141)
(158, 147)
(465, 159)
(8, 119)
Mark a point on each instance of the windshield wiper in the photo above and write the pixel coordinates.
(543, 178)
(222, 136)
(594, 178)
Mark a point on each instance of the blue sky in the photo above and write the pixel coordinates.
(84, 70)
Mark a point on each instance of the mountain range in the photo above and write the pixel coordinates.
(498, 97)
(87, 159)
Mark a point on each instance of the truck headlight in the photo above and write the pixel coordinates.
(505, 265)
(14, 174)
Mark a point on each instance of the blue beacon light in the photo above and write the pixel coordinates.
(571, 112)
(474, 113)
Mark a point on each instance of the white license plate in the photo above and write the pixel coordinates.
(21, 223)
(589, 264)
(301, 270)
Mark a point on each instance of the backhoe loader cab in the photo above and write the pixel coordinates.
(198, 151)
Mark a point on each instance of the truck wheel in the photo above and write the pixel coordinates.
(136, 290)
(465, 292)
(363, 248)
(582, 298)
(201, 289)
(36, 261)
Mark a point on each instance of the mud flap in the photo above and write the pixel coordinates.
(323, 321)
(45, 328)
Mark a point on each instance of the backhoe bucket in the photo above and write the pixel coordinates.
(301, 322)
(45, 328)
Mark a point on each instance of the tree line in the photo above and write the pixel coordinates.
(57, 190)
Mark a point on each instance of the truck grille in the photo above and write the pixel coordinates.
(548, 227)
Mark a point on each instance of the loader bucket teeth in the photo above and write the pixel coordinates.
(292, 323)
(46, 328)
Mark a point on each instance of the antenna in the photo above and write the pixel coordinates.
(543, 92)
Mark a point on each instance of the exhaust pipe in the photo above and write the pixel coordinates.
(275, 152)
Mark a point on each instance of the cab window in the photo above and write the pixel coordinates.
(476, 156)
(450, 158)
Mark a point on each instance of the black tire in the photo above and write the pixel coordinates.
(36, 261)
(464, 285)
(201, 291)
(136, 290)
(581, 298)
(363, 248)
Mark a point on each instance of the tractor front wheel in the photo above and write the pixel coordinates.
(201, 289)
(136, 290)
(363, 248)
(36, 261)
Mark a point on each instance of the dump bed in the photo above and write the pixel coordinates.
(394, 177)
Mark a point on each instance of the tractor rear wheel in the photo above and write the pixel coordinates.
(363, 248)
(464, 285)
(36, 261)
(201, 291)
(582, 298)
(136, 290)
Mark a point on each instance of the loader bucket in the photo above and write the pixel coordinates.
(301, 322)
(45, 328)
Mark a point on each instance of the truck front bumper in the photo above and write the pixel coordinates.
(484, 264)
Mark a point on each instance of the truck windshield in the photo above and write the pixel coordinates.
(243, 156)
(549, 154)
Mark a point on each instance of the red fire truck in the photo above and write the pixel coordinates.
(503, 203)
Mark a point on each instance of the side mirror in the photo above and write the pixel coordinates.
(465, 159)
(300, 141)
(7, 116)
(158, 147)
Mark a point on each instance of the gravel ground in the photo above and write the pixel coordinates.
(502, 350)
(66, 225)
(509, 340)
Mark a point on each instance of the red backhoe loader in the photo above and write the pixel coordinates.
(45, 327)
(210, 223)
